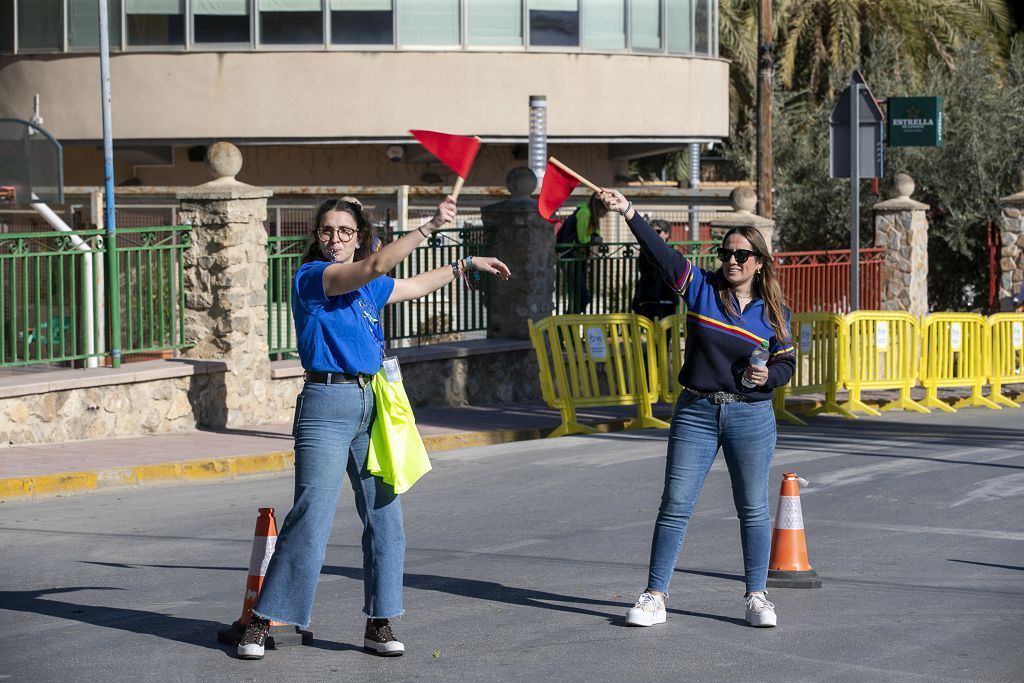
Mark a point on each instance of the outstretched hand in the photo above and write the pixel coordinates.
(445, 214)
(613, 200)
(491, 264)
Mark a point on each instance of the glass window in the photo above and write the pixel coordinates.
(291, 22)
(680, 37)
(39, 25)
(645, 25)
(155, 22)
(220, 21)
(428, 22)
(701, 28)
(362, 22)
(554, 22)
(604, 24)
(84, 24)
(6, 25)
(495, 22)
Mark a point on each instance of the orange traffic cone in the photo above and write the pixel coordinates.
(788, 566)
(263, 543)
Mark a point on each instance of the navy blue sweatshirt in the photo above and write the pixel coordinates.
(718, 347)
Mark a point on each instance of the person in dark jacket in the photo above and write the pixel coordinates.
(653, 297)
(729, 312)
(574, 239)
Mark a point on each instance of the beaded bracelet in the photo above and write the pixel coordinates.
(629, 205)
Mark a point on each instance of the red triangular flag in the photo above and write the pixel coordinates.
(457, 152)
(555, 189)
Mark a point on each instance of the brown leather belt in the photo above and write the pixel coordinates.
(336, 378)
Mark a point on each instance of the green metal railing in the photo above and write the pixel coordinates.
(452, 310)
(57, 304)
(599, 278)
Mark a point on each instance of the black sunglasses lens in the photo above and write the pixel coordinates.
(741, 255)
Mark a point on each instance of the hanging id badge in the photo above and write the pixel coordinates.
(391, 369)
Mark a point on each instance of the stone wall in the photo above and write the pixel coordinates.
(901, 228)
(1011, 259)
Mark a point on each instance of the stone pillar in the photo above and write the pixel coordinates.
(526, 242)
(901, 228)
(1011, 260)
(226, 293)
(744, 201)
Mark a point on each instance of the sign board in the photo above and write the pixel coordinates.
(869, 132)
(31, 164)
(595, 340)
(915, 121)
(806, 337)
(881, 335)
(956, 335)
(1018, 335)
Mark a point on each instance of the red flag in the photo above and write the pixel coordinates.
(555, 189)
(457, 152)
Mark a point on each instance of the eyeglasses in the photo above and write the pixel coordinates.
(343, 233)
(741, 255)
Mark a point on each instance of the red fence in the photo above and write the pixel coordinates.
(819, 281)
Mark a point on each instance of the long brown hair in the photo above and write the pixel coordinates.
(367, 235)
(766, 283)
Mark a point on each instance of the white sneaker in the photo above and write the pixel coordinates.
(760, 612)
(648, 611)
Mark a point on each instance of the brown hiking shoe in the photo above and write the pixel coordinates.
(255, 637)
(380, 639)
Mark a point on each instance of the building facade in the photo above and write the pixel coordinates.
(323, 92)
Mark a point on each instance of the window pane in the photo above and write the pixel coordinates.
(680, 38)
(362, 22)
(155, 22)
(554, 22)
(221, 21)
(604, 24)
(495, 22)
(700, 28)
(84, 23)
(428, 22)
(291, 22)
(39, 25)
(646, 26)
(6, 25)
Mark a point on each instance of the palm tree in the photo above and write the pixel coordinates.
(821, 41)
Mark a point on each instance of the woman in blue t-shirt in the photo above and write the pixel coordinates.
(725, 402)
(338, 293)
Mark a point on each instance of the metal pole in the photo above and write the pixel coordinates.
(765, 72)
(113, 275)
(854, 196)
(694, 184)
(538, 149)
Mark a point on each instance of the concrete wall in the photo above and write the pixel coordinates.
(325, 95)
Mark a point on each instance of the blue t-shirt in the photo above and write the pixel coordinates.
(338, 333)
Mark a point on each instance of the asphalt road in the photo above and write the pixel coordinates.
(523, 558)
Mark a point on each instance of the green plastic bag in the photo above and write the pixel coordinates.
(397, 454)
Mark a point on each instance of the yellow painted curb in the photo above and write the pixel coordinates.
(190, 470)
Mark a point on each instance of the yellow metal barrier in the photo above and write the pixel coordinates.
(671, 344)
(596, 361)
(1006, 364)
(882, 355)
(820, 343)
(955, 353)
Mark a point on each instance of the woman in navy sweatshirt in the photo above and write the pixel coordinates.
(729, 313)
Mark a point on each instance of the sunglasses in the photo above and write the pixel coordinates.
(741, 255)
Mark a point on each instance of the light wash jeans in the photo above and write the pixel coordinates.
(332, 434)
(746, 434)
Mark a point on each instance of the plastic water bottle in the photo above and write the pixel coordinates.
(758, 358)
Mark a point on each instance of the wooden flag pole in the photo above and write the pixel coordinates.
(459, 182)
(574, 174)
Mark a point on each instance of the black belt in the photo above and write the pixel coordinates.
(336, 378)
(717, 397)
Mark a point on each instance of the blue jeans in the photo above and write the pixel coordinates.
(332, 434)
(746, 434)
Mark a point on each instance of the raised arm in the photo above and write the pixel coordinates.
(433, 280)
(675, 268)
(341, 278)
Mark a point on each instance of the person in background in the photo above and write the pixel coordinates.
(653, 298)
(729, 313)
(581, 229)
(338, 293)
